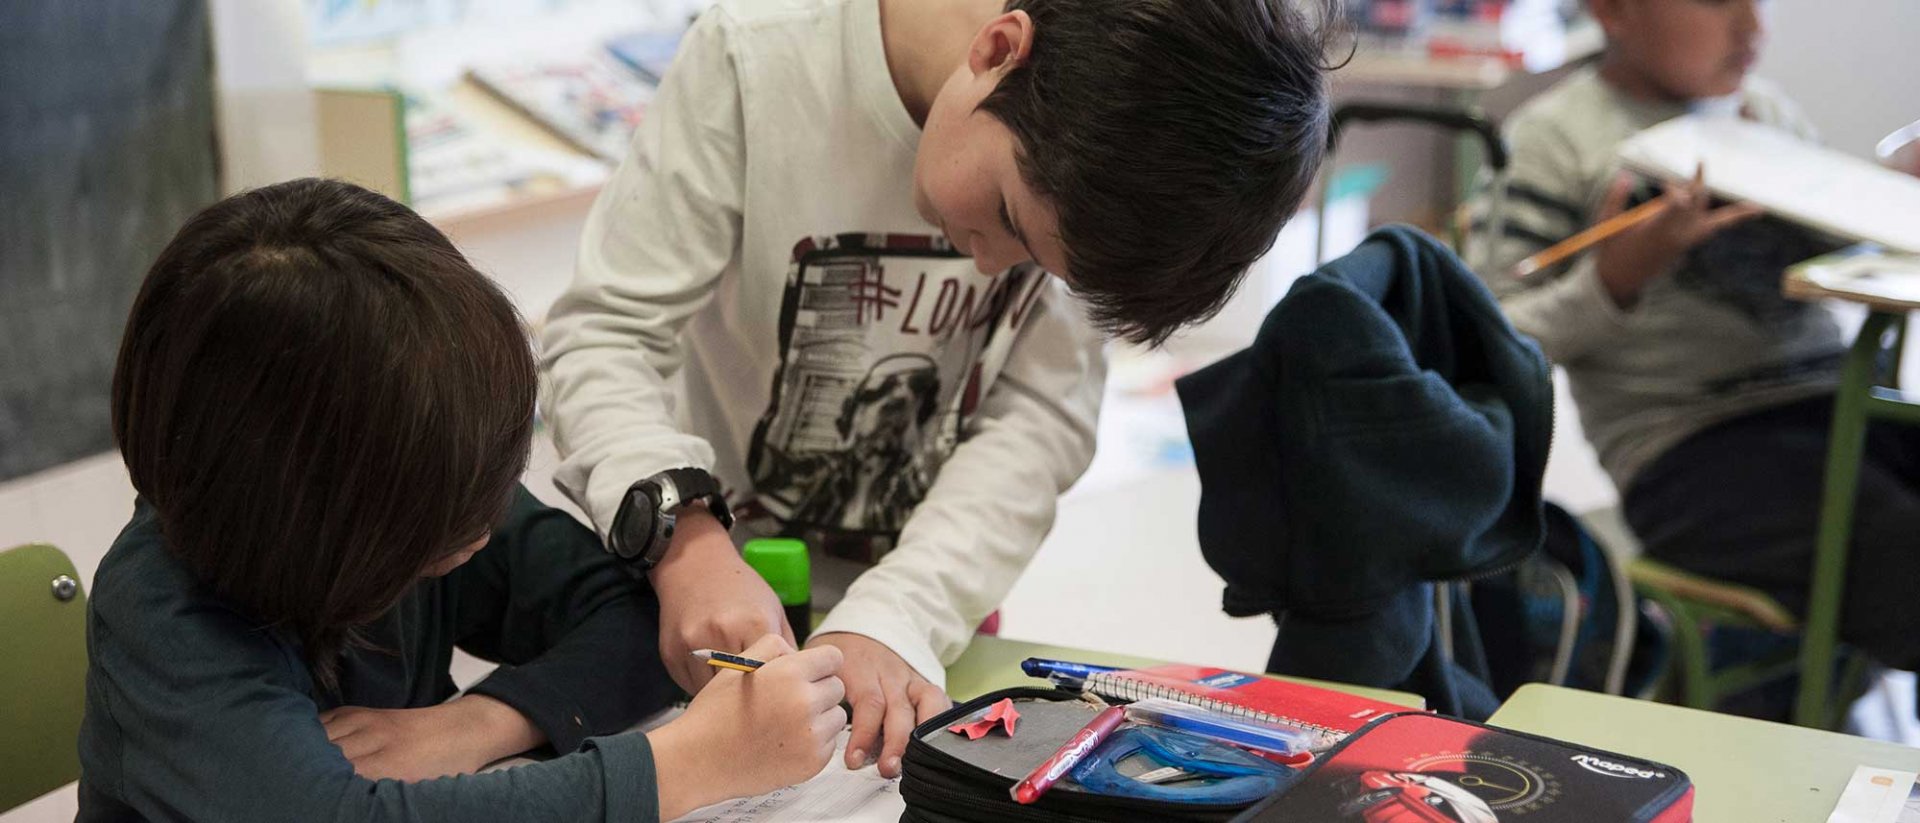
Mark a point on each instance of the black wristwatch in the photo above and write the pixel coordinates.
(643, 528)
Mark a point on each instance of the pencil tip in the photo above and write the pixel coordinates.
(1524, 268)
(703, 654)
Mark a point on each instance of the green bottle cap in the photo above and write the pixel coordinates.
(782, 562)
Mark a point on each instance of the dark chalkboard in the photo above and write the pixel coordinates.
(106, 146)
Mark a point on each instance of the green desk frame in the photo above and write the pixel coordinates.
(1868, 391)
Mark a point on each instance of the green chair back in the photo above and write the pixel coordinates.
(43, 672)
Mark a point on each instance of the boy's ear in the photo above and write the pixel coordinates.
(1001, 44)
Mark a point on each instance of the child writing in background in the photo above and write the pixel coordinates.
(829, 287)
(1707, 394)
(325, 411)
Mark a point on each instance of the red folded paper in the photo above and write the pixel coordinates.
(1001, 714)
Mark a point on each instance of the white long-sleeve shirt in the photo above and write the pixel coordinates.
(843, 367)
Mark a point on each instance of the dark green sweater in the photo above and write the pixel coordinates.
(196, 713)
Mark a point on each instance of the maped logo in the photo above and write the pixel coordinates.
(1612, 769)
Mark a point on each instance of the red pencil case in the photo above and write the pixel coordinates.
(1424, 768)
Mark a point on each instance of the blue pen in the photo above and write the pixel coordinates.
(1042, 667)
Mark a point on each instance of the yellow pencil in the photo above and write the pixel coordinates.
(1552, 255)
(723, 660)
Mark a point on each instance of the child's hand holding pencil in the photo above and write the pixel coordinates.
(1635, 246)
(753, 729)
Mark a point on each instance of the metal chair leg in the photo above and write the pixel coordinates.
(1690, 649)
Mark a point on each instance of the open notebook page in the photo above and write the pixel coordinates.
(835, 794)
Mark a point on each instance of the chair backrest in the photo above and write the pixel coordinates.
(43, 672)
(1569, 615)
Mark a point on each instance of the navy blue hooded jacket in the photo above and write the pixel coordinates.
(1387, 429)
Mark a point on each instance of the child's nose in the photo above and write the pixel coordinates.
(992, 257)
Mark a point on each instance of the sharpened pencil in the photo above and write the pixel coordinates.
(1554, 254)
(723, 660)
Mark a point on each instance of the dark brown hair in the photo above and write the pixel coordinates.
(1174, 138)
(320, 397)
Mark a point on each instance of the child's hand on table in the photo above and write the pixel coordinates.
(456, 737)
(1633, 258)
(748, 734)
(888, 698)
(709, 599)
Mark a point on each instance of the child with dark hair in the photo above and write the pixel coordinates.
(822, 185)
(1707, 393)
(326, 411)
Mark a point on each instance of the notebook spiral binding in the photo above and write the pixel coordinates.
(1117, 686)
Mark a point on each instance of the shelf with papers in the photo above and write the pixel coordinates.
(508, 110)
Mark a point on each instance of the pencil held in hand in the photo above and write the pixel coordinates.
(723, 660)
(1554, 254)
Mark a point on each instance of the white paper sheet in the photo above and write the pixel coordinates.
(835, 794)
(1876, 795)
(1797, 180)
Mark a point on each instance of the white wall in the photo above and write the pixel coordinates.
(267, 126)
(1853, 65)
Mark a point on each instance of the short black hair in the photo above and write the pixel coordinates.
(319, 397)
(1174, 138)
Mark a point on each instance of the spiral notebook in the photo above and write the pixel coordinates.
(1334, 714)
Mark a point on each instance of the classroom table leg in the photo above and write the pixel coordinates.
(1897, 356)
(1844, 448)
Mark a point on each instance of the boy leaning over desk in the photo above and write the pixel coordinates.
(1707, 394)
(865, 236)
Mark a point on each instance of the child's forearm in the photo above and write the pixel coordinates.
(460, 736)
(497, 730)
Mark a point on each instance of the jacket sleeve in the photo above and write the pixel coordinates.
(576, 634)
(662, 231)
(1565, 308)
(994, 499)
(212, 722)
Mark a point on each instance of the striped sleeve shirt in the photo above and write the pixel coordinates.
(1708, 342)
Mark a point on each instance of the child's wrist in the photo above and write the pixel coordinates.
(496, 729)
(683, 782)
(698, 537)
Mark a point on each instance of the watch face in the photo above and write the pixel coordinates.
(633, 527)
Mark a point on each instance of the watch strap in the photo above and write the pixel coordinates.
(690, 484)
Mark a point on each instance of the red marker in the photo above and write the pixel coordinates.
(1082, 744)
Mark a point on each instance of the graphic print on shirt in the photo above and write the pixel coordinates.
(887, 343)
